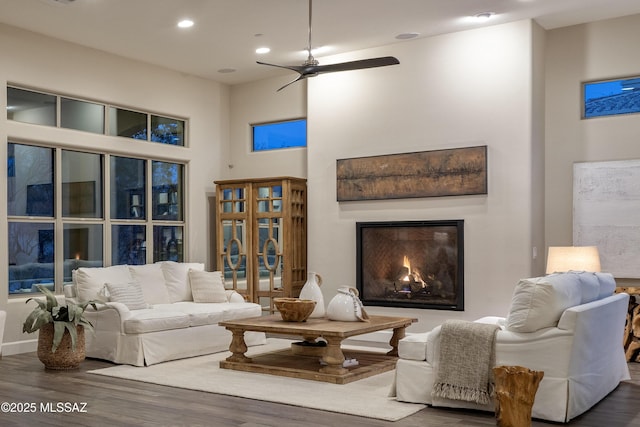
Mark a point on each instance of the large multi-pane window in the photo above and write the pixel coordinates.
(70, 208)
(64, 214)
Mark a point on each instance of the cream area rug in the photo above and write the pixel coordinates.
(367, 397)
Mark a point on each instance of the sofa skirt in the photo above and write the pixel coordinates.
(414, 381)
(156, 347)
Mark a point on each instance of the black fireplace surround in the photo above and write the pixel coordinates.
(416, 264)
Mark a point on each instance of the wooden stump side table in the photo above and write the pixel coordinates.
(516, 389)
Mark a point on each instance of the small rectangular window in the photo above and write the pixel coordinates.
(167, 185)
(128, 244)
(81, 115)
(81, 186)
(82, 245)
(167, 243)
(31, 255)
(128, 190)
(30, 181)
(274, 136)
(610, 97)
(130, 124)
(167, 131)
(31, 107)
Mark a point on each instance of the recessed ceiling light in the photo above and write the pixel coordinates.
(483, 16)
(262, 50)
(185, 23)
(226, 70)
(407, 36)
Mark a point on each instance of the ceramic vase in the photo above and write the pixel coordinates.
(346, 306)
(311, 290)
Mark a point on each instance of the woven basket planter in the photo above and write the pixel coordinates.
(64, 358)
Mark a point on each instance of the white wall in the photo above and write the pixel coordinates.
(457, 90)
(35, 61)
(594, 51)
(258, 102)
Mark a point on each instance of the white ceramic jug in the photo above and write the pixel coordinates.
(346, 306)
(311, 290)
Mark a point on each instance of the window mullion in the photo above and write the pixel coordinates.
(58, 222)
(149, 210)
(106, 204)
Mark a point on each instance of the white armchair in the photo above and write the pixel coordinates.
(569, 326)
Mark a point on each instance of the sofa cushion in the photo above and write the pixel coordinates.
(90, 280)
(199, 313)
(207, 286)
(177, 279)
(153, 320)
(151, 279)
(538, 303)
(129, 294)
(240, 310)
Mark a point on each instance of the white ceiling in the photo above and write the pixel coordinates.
(227, 32)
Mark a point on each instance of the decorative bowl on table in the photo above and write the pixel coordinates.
(294, 309)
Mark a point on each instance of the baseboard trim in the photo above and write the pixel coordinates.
(19, 347)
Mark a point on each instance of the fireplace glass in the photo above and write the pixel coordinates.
(417, 264)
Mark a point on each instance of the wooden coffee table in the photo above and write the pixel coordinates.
(325, 366)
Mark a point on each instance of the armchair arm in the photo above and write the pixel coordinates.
(108, 316)
(422, 346)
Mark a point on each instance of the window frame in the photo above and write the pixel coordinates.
(106, 107)
(633, 81)
(253, 127)
(58, 221)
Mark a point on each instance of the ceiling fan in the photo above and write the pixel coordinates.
(311, 67)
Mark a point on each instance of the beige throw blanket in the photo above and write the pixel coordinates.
(467, 358)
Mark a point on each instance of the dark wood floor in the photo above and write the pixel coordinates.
(117, 402)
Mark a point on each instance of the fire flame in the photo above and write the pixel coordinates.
(410, 275)
(406, 264)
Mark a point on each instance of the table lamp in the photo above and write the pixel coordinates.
(561, 259)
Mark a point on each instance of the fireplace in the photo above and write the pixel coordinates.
(417, 264)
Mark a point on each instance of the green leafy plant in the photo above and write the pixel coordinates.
(64, 317)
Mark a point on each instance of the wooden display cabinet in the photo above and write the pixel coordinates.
(262, 237)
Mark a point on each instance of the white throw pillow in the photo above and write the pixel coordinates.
(91, 280)
(538, 304)
(129, 294)
(207, 286)
(607, 284)
(151, 280)
(176, 277)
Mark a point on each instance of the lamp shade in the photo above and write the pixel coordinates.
(561, 259)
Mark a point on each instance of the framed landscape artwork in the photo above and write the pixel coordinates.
(451, 172)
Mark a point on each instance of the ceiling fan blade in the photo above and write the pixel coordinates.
(356, 65)
(300, 77)
(310, 67)
(296, 68)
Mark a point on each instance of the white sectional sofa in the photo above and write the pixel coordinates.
(568, 325)
(158, 312)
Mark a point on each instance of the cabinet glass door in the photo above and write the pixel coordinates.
(234, 254)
